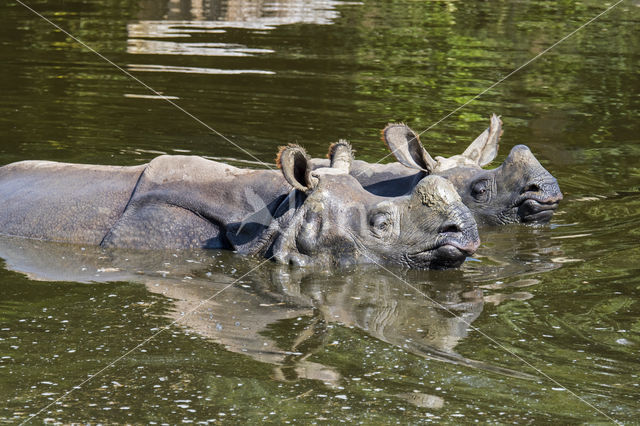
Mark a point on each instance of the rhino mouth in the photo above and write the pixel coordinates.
(536, 211)
(448, 254)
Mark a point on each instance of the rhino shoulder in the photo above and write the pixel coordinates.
(188, 168)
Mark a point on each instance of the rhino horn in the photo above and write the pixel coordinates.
(405, 145)
(484, 149)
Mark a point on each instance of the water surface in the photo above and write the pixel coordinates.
(362, 344)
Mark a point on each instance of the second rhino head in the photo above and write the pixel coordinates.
(520, 190)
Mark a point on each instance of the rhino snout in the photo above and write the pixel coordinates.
(545, 190)
(459, 234)
(539, 200)
(465, 239)
(452, 253)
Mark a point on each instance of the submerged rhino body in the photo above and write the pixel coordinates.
(520, 190)
(191, 202)
(171, 202)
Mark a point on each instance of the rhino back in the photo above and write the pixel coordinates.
(74, 203)
(189, 202)
(385, 180)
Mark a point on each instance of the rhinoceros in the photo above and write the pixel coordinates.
(191, 202)
(519, 190)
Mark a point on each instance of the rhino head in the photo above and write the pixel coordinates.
(330, 218)
(519, 190)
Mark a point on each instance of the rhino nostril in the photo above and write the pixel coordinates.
(532, 187)
(450, 228)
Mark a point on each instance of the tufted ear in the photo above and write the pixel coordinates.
(341, 155)
(296, 167)
(484, 149)
(405, 145)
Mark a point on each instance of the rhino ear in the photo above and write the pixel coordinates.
(484, 149)
(296, 167)
(405, 145)
(341, 155)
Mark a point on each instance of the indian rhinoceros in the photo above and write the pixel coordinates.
(189, 202)
(519, 190)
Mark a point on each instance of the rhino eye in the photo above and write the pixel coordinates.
(480, 190)
(380, 223)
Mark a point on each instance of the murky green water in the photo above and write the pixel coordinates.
(360, 345)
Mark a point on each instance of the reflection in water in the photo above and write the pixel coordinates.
(192, 70)
(515, 251)
(200, 49)
(423, 400)
(258, 14)
(161, 20)
(244, 317)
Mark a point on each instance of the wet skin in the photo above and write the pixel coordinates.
(328, 218)
(520, 190)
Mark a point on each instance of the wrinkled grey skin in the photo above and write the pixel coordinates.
(518, 191)
(330, 218)
(190, 202)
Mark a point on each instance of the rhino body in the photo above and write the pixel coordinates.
(520, 190)
(171, 202)
(191, 202)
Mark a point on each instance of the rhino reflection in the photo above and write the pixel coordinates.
(385, 307)
(429, 322)
(249, 316)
